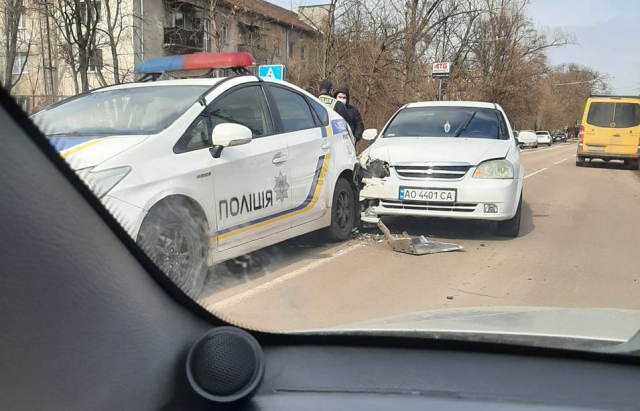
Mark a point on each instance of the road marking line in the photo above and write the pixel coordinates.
(564, 159)
(536, 172)
(542, 150)
(276, 281)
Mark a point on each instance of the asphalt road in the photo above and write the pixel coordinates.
(577, 248)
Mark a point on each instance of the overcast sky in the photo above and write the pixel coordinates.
(607, 33)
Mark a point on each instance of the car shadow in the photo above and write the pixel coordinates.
(258, 264)
(451, 229)
(254, 265)
(613, 165)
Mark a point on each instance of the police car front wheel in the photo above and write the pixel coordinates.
(174, 237)
(342, 212)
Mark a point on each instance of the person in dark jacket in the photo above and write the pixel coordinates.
(329, 101)
(342, 95)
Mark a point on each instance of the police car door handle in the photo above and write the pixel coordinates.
(279, 159)
(326, 146)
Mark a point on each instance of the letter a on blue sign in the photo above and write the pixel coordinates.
(272, 72)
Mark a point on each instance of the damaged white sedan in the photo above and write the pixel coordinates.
(444, 159)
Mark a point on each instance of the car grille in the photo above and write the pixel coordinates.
(445, 172)
(425, 206)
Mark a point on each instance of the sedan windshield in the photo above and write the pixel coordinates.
(128, 111)
(465, 122)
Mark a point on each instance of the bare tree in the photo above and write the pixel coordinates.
(114, 28)
(14, 12)
(77, 23)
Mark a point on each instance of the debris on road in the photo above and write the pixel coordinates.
(357, 235)
(449, 297)
(416, 245)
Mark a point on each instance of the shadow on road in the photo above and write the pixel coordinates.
(457, 229)
(311, 246)
(262, 262)
(613, 165)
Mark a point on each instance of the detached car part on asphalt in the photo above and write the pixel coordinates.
(204, 170)
(445, 160)
(419, 245)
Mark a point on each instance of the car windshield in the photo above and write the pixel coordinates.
(126, 111)
(364, 176)
(465, 122)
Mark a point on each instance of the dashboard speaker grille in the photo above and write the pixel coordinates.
(225, 365)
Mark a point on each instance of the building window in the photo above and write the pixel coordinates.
(96, 8)
(21, 25)
(177, 19)
(20, 64)
(278, 53)
(224, 34)
(290, 54)
(95, 61)
(302, 53)
(23, 102)
(206, 28)
(206, 34)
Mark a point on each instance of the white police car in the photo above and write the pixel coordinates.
(204, 170)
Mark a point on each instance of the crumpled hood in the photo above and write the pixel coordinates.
(396, 150)
(83, 152)
(583, 323)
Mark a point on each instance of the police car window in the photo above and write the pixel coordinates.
(198, 135)
(246, 106)
(320, 111)
(294, 110)
(128, 111)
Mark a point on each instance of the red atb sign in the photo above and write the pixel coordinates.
(441, 69)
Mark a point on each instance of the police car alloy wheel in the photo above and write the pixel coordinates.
(342, 212)
(175, 239)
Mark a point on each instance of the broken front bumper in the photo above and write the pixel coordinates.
(477, 199)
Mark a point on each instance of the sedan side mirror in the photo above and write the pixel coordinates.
(370, 134)
(229, 135)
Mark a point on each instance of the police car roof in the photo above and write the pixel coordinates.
(174, 82)
(475, 104)
(190, 82)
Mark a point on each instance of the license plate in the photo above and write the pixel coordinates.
(427, 194)
(596, 149)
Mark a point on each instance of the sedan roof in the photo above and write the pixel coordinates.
(478, 104)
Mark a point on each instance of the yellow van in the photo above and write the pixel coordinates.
(610, 130)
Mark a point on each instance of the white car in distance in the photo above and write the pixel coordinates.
(204, 170)
(544, 138)
(528, 138)
(447, 160)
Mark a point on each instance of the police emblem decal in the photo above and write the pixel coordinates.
(282, 188)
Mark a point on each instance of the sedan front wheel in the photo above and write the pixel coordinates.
(511, 227)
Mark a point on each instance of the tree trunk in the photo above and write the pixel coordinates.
(13, 10)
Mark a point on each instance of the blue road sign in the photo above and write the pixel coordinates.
(275, 72)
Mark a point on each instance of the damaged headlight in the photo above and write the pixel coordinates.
(373, 168)
(497, 169)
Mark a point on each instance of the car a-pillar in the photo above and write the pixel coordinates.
(175, 235)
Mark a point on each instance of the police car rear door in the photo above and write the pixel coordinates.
(252, 182)
(309, 152)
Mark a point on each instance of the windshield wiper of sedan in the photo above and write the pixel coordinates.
(465, 125)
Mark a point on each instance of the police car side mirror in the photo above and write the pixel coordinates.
(229, 135)
(370, 134)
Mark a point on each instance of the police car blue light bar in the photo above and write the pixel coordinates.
(197, 61)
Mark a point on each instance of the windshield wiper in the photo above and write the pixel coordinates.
(465, 125)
